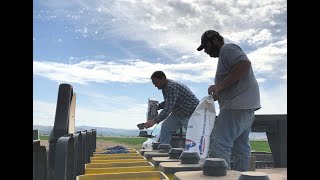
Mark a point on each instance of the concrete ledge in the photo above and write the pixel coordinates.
(273, 174)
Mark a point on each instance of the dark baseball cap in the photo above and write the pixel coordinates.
(207, 35)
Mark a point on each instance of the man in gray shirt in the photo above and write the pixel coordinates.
(178, 105)
(237, 92)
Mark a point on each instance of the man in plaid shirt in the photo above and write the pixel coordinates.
(178, 105)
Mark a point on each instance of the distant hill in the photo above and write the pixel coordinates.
(103, 131)
(100, 130)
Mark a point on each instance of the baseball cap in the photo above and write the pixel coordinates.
(209, 34)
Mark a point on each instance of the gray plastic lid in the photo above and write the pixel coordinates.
(252, 175)
(189, 157)
(215, 162)
(187, 154)
(176, 151)
(164, 146)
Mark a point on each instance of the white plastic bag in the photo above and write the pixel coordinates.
(152, 109)
(200, 126)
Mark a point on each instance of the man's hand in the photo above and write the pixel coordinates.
(214, 90)
(215, 97)
(149, 123)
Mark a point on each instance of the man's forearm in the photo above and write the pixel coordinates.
(162, 115)
(236, 74)
(165, 112)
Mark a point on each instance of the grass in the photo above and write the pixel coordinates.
(137, 142)
(260, 146)
(43, 137)
(126, 140)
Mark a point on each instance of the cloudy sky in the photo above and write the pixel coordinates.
(107, 50)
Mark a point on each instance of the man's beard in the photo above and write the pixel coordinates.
(215, 53)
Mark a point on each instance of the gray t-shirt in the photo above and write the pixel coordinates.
(243, 94)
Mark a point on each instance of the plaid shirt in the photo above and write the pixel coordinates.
(178, 99)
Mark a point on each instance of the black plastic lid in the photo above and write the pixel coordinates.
(175, 153)
(143, 133)
(140, 126)
(215, 162)
(189, 157)
(155, 145)
(164, 147)
(214, 167)
(187, 154)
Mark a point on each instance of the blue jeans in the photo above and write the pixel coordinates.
(230, 135)
(170, 125)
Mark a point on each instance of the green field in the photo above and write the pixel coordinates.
(137, 142)
(126, 140)
(44, 137)
(260, 146)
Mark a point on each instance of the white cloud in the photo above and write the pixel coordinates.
(261, 80)
(272, 23)
(185, 7)
(43, 113)
(267, 61)
(253, 37)
(273, 101)
(261, 38)
(101, 71)
(103, 102)
(158, 27)
(181, 22)
(121, 118)
(270, 59)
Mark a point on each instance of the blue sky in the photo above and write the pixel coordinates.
(107, 50)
